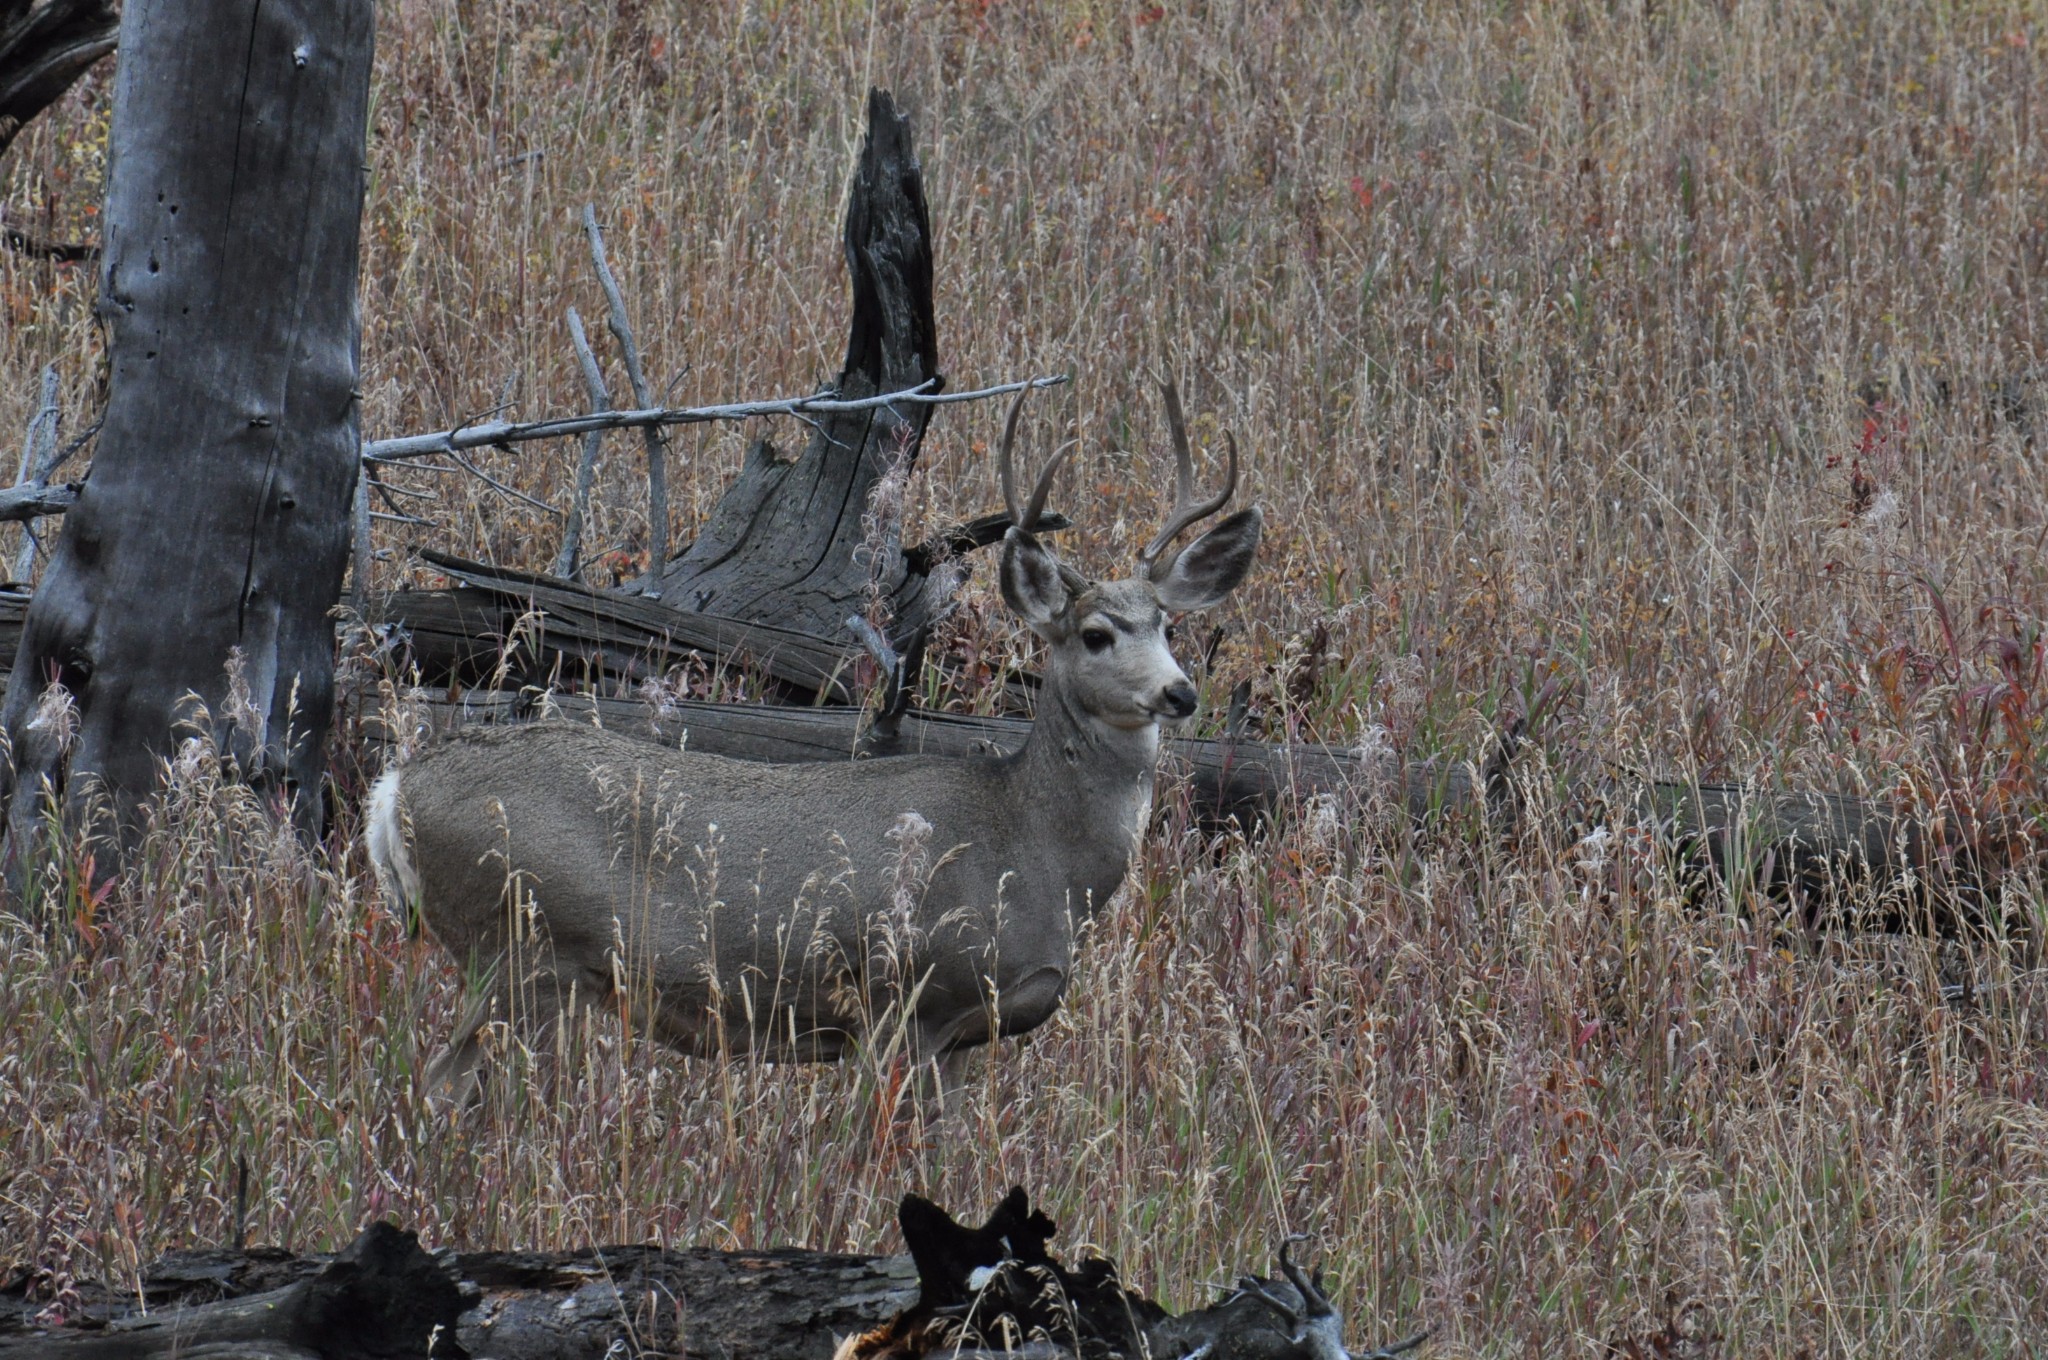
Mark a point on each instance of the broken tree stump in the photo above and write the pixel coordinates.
(786, 544)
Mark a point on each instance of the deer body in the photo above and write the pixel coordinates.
(757, 899)
(785, 910)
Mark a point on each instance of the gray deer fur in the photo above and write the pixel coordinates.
(789, 910)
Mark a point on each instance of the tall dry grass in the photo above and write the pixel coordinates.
(1670, 369)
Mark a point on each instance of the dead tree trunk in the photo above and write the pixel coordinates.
(784, 545)
(227, 461)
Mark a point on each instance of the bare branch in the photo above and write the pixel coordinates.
(567, 563)
(42, 427)
(24, 242)
(38, 457)
(1399, 1348)
(473, 436)
(359, 515)
(29, 501)
(657, 442)
(494, 484)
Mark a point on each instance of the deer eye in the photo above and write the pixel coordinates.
(1172, 632)
(1095, 639)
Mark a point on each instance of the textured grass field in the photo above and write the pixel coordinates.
(1672, 369)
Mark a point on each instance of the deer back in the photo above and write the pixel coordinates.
(739, 889)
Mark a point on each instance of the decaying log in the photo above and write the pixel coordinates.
(505, 626)
(1826, 854)
(573, 632)
(387, 1298)
(996, 1290)
(384, 1297)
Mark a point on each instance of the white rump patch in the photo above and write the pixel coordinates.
(384, 836)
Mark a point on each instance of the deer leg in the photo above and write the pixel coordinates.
(1030, 1003)
(532, 1005)
(454, 1075)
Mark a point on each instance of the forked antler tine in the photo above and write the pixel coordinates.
(1044, 487)
(1186, 510)
(1183, 456)
(1315, 1303)
(1026, 518)
(1003, 459)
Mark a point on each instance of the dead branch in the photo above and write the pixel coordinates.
(568, 563)
(491, 433)
(30, 501)
(657, 442)
(24, 242)
(29, 497)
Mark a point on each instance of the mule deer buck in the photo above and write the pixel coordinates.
(781, 909)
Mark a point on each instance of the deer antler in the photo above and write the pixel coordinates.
(1186, 510)
(1315, 1303)
(1026, 518)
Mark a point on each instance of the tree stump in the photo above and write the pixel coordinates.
(785, 544)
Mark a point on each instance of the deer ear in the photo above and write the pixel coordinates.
(1033, 584)
(1213, 565)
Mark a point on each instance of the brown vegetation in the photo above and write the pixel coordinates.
(1667, 370)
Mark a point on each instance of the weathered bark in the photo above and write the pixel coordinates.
(785, 543)
(383, 1297)
(958, 1287)
(215, 518)
(784, 1304)
(571, 632)
(44, 50)
(507, 626)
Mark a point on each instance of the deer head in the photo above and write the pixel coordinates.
(1108, 641)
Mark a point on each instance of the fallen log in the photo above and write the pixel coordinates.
(593, 635)
(1829, 856)
(385, 1297)
(1814, 849)
(382, 1297)
(502, 626)
(956, 1292)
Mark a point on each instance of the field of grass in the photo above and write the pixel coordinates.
(1672, 369)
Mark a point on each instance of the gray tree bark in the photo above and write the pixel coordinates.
(384, 1297)
(214, 522)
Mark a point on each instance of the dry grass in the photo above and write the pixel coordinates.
(1553, 334)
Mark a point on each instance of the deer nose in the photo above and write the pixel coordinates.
(1180, 698)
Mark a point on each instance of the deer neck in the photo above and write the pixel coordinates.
(1092, 782)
